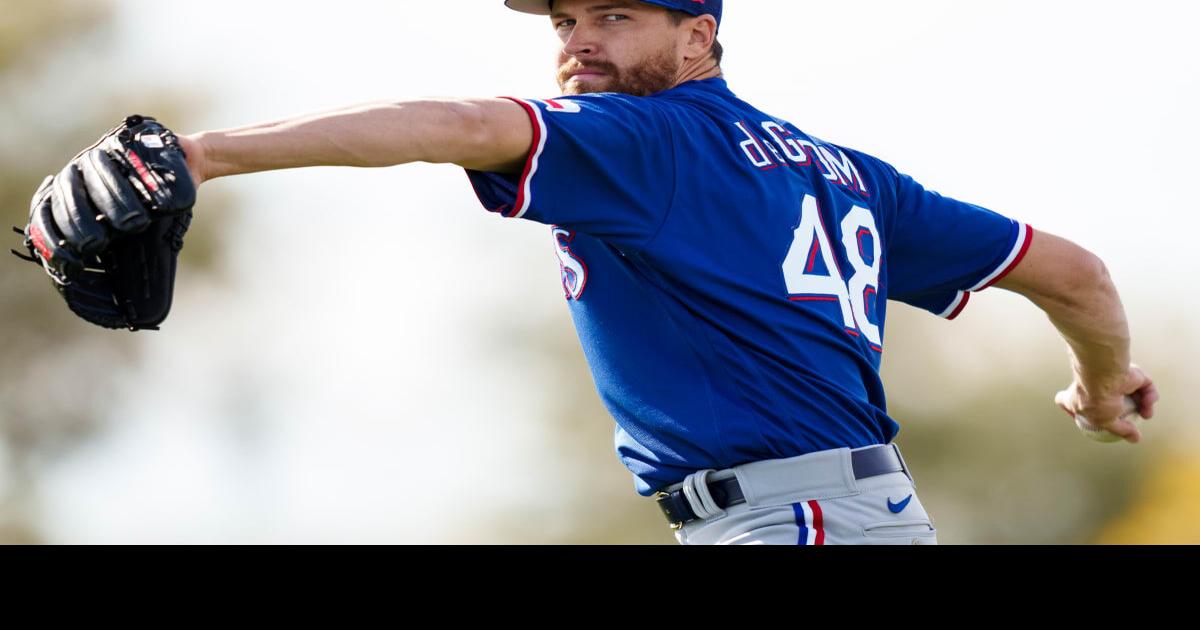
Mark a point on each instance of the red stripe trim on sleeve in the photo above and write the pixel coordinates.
(1016, 261)
(966, 297)
(531, 162)
(1019, 246)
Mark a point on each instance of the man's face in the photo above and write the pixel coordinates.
(615, 46)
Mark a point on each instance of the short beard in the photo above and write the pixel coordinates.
(655, 75)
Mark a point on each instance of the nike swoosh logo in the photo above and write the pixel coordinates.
(897, 508)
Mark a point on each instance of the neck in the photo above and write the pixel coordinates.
(698, 70)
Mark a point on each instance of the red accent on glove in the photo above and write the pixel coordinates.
(142, 171)
(39, 241)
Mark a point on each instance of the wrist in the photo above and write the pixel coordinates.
(1101, 382)
(197, 152)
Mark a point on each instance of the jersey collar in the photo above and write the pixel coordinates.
(713, 84)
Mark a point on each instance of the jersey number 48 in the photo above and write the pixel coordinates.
(854, 296)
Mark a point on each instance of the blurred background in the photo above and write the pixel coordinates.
(420, 381)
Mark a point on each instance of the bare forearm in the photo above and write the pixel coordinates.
(376, 134)
(1073, 287)
(1092, 320)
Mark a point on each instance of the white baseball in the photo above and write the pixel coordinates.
(1103, 435)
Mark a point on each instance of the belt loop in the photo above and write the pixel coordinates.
(695, 489)
(896, 447)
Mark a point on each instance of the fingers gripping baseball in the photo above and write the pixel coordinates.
(1116, 412)
(1145, 394)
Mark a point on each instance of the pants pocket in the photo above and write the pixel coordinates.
(892, 514)
(899, 528)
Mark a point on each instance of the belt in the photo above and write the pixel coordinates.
(866, 462)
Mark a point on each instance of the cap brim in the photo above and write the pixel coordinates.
(536, 7)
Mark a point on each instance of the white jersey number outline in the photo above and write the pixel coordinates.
(804, 285)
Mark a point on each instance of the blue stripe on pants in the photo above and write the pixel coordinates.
(798, 508)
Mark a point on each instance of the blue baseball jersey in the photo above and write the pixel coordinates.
(729, 274)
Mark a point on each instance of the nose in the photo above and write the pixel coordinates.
(580, 43)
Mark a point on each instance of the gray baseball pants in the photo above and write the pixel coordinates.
(811, 499)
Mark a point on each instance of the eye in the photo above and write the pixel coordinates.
(564, 23)
(618, 17)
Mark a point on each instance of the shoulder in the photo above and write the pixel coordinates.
(880, 178)
(603, 102)
(866, 160)
(603, 118)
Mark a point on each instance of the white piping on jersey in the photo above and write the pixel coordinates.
(958, 299)
(1022, 234)
(526, 185)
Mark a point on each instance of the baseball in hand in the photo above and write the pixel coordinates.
(1102, 435)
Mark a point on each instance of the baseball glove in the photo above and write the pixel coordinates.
(109, 227)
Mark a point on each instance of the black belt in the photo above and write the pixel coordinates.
(866, 462)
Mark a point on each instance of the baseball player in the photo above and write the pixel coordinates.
(728, 273)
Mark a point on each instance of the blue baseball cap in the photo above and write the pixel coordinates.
(695, 7)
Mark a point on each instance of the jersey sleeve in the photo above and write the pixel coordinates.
(942, 250)
(602, 164)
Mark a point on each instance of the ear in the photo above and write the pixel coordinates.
(698, 36)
